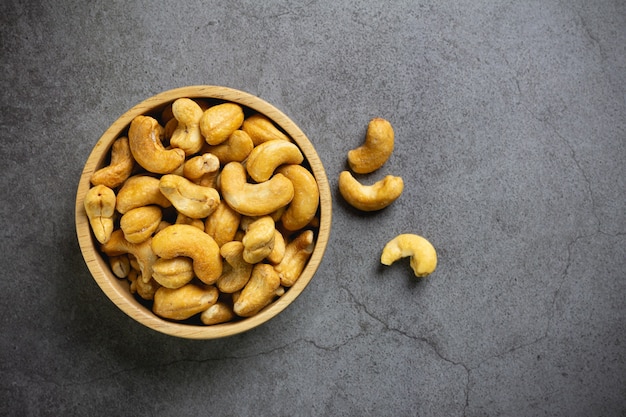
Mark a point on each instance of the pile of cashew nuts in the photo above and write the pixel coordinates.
(367, 158)
(208, 211)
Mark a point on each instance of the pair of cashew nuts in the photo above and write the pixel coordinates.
(217, 223)
(372, 155)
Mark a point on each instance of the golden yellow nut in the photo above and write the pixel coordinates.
(306, 198)
(261, 129)
(236, 147)
(222, 224)
(192, 200)
(378, 146)
(120, 167)
(421, 252)
(267, 156)
(140, 223)
(139, 191)
(236, 272)
(187, 134)
(100, 207)
(258, 241)
(173, 273)
(370, 197)
(219, 122)
(184, 302)
(142, 252)
(219, 312)
(260, 290)
(297, 253)
(144, 138)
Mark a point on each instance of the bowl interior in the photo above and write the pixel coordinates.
(118, 289)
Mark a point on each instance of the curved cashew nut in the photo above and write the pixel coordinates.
(144, 137)
(173, 273)
(258, 292)
(370, 197)
(190, 199)
(222, 224)
(182, 219)
(236, 148)
(184, 302)
(140, 223)
(120, 265)
(261, 129)
(187, 134)
(143, 253)
(100, 207)
(278, 252)
(297, 253)
(236, 271)
(219, 312)
(378, 146)
(119, 169)
(145, 290)
(306, 197)
(422, 253)
(254, 199)
(267, 156)
(258, 242)
(185, 240)
(139, 191)
(219, 122)
(196, 168)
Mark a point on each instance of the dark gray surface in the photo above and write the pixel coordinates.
(510, 122)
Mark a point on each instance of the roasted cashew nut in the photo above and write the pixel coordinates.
(173, 273)
(139, 191)
(306, 197)
(184, 302)
(236, 271)
(297, 253)
(370, 197)
(144, 137)
(219, 122)
(119, 169)
(142, 252)
(100, 207)
(187, 134)
(219, 312)
(222, 224)
(267, 156)
(236, 147)
(254, 199)
(140, 223)
(199, 167)
(376, 150)
(258, 241)
(422, 253)
(185, 240)
(258, 292)
(190, 199)
(261, 129)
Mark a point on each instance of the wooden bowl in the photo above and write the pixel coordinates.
(118, 289)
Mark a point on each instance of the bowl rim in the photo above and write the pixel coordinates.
(117, 289)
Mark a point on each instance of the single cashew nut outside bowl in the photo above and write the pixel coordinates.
(421, 251)
(378, 146)
(370, 197)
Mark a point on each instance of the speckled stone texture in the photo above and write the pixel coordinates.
(510, 122)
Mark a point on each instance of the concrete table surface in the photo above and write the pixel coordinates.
(510, 122)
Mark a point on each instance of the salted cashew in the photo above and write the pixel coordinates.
(145, 290)
(201, 167)
(139, 191)
(306, 198)
(267, 156)
(185, 240)
(120, 265)
(261, 129)
(258, 292)
(297, 253)
(422, 253)
(187, 134)
(236, 271)
(182, 219)
(258, 241)
(142, 252)
(219, 122)
(236, 147)
(99, 206)
(278, 251)
(192, 200)
(222, 224)
(370, 197)
(140, 223)
(120, 167)
(173, 273)
(144, 137)
(219, 312)
(376, 150)
(184, 302)
(254, 199)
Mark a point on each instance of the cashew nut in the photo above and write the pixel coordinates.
(182, 219)
(143, 253)
(422, 253)
(297, 253)
(258, 292)
(376, 150)
(198, 167)
(184, 302)
(219, 312)
(306, 198)
(185, 240)
(261, 129)
(145, 290)
(139, 191)
(120, 265)
(267, 156)
(192, 200)
(100, 207)
(222, 224)
(140, 223)
(187, 134)
(370, 197)
(173, 273)
(258, 241)
(119, 169)
(144, 137)
(278, 252)
(236, 148)
(218, 122)
(236, 271)
(254, 199)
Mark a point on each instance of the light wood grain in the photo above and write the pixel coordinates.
(118, 290)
